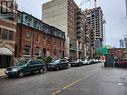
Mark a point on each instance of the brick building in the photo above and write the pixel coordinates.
(35, 38)
(8, 14)
(118, 52)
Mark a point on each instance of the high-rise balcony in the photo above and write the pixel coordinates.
(78, 35)
(72, 48)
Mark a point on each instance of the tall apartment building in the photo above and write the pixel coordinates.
(8, 12)
(89, 41)
(87, 36)
(126, 6)
(125, 41)
(121, 43)
(95, 19)
(65, 15)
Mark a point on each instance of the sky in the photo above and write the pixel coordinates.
(114, 12)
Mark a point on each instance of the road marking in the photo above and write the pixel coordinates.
(65, 87)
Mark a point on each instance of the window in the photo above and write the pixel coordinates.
(32, 63)
(35, 24)
(37, 51)
(7, 7)
(38, 38)
(28, 20)
(28, 34)
(6, 34)
(28, 37)
(26, 50)
(47, 29)
(44, 38)
(54, 42)
(4, 7)
(38, 62)
(10, 7)
(10, 35)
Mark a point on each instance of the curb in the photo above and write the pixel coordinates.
(3, 76)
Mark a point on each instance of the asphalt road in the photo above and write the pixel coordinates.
(85, 80)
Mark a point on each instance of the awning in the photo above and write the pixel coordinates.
(5, 51)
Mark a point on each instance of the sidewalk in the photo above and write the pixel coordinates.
(2, 72)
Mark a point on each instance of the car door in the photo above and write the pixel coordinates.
(59, 65)
(63, 64)
(32, 66)
(40, 65)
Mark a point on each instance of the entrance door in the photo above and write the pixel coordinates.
(5, 61)
(44, 52)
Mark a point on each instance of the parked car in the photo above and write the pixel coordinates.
(78, 62)
(58, 64)
(121, 63)
(94, 61)
(25, 67)
(86, 62)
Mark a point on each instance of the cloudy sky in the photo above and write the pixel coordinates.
(114, 12)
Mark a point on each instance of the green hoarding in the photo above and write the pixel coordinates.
(102, 51)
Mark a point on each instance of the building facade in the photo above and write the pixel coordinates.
(95, 19)
(126, 7)
(8, 18)
(89, 37)
(118, 52)
(125, 41)
(67, 16)
(121, 43)
(35, 38)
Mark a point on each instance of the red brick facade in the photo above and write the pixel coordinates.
(117, 52)
(48, 45)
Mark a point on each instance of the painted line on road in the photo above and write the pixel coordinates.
(65, 87)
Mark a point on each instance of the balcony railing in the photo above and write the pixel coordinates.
(72, 48)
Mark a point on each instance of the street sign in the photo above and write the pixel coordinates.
(102, 58)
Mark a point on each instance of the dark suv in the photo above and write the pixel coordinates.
(58, 64)
(25, 67)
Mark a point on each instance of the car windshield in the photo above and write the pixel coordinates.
(78, 60)
(21, 63)
(55, 61)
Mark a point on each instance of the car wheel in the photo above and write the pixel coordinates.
(67, 67)
(57, 68)
(9, 76)
(21, 74)
(41, 71)
(45, 70)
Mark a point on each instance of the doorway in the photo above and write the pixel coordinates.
(5, 61)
